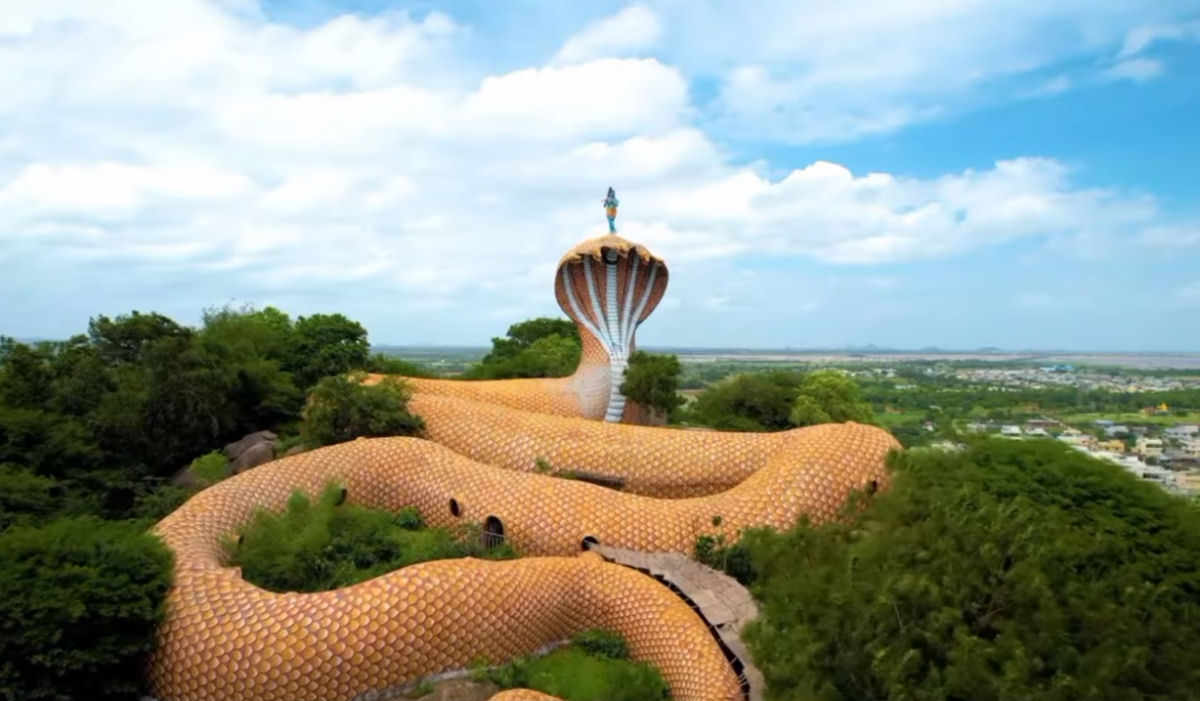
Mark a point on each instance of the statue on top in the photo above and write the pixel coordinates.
(610, 209)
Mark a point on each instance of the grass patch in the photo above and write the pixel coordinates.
(326, 545)
(595, 667)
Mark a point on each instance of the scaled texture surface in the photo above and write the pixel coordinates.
(226, 639)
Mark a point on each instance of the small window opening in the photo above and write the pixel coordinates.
(455, 509)
(588, 542)
(872, 486)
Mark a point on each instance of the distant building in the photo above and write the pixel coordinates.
(1181, 431)
(1113, 446)
(1010, 430)
(1190, 448)
(1116, 430)
(1103, 423)
(1188, 481)
(1148, 447)
(1036, 432)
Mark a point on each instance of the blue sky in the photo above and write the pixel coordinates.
(908, 173)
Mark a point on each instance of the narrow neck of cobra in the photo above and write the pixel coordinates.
(611, 340)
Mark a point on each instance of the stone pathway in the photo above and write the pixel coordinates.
(723, 603)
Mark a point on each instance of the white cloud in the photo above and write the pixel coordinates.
(632, 30)
(825, 72)
(1142, 37)
(355, 164)
(1136, 69)
(1170, 236)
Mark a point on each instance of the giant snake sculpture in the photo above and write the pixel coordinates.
(225, 639)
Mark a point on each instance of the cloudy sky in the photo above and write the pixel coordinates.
(908, 173)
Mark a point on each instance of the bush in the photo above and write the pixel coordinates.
(210, 469)
(341, 408)
(1012, 570)
(574, 674)
(326, 545)
(759, 401)
(734, 560)
(80, 601)
(603, 643)
(26, 497)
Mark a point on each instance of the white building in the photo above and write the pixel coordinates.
(1148, 447)
(1010, 430)
(1181, 431)
(1190, 447)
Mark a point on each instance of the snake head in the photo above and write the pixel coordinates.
(608, 286)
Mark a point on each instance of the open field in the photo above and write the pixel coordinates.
(1178, 361)
(1132, 417)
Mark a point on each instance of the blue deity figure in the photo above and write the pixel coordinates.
(610, 209)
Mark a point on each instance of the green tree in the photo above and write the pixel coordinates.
(324, 345)
(124, 339)
(826, 396)
(748, 402)
(525, 333)
(652, 380)
(80, 602)
(1012, 570)
(541, 347)
(341, 408)
(263, 332)
(26, 497)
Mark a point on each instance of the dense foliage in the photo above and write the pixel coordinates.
(595, 667)
(94, 427)
(328, 544)
(780, 399)
(826, 396)
(748, 402)
(541, 347)
(342, 408)
(1012, 570)
(210, 468)
(80, 600)
(652, 381)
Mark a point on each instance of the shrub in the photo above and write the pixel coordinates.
(341, 408)
(574, 674)
(211, 468)
(597, 641)
(80, 601)
(326, 545)
(25, 497)
(1012, 570)
(734, 560)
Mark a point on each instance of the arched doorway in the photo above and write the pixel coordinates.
(493, 532)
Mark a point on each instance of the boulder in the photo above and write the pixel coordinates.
(236, 448)
(185, 478)
(255, 455)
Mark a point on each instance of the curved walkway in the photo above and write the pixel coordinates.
(724, 604)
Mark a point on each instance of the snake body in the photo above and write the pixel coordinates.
(226, 639)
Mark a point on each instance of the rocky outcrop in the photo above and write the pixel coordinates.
(252, 450)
